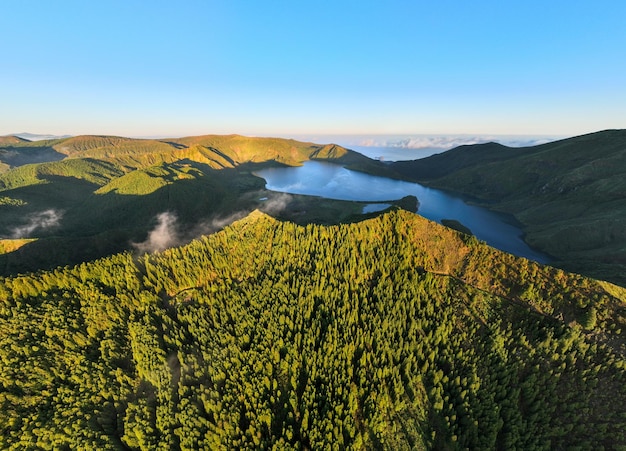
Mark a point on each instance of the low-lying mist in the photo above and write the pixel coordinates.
(168, 230)
(42, 220)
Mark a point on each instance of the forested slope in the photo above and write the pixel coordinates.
(570, 195)
(392, 333)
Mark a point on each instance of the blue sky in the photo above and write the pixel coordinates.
(165, 68)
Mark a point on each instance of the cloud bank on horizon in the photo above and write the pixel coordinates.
(446, 142)
(411, 147)
(440, 142)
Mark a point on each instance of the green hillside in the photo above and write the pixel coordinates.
(215, 150)
(105, 192)
(392, 333)
(320, 329)
(570, 195)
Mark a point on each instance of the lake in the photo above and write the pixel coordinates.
(336, 182)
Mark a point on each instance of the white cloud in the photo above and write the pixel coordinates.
(446, 142)
(217, 223)
(276, 204)
(168, 232)
(42, 220)
(164, 235)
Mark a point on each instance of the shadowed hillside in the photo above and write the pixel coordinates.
(569, 194)
(16, 151)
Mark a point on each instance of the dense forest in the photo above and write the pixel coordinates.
(390, 333)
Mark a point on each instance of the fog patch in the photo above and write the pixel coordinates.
(43, 220)
(164, 235)
(217, 223)
(169, 232)
(276, 204)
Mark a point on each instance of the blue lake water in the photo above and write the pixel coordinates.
(336, 182)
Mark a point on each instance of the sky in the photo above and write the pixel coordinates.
(294, 68)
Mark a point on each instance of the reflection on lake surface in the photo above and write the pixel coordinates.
(336, 182)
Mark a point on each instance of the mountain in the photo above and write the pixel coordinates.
(216, 150)
(570, 195)
(390, 333)
(85, 197)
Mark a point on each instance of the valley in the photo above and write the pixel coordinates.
(335, 182)
(296, 226)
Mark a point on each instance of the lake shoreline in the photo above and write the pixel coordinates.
(332, 181)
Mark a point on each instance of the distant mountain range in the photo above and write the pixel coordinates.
(422, 141)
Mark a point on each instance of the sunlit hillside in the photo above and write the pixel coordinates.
(393, 333)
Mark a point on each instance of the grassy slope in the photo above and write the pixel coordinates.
(216, 150)
(229, 150)
(570, 194)
(7, 246)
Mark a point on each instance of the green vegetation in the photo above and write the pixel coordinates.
(106, 192)
(392, 333)
(570, 195)
(15, 151)
(215, 150)
(7, 246)
(4, 200)
(317, 330)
